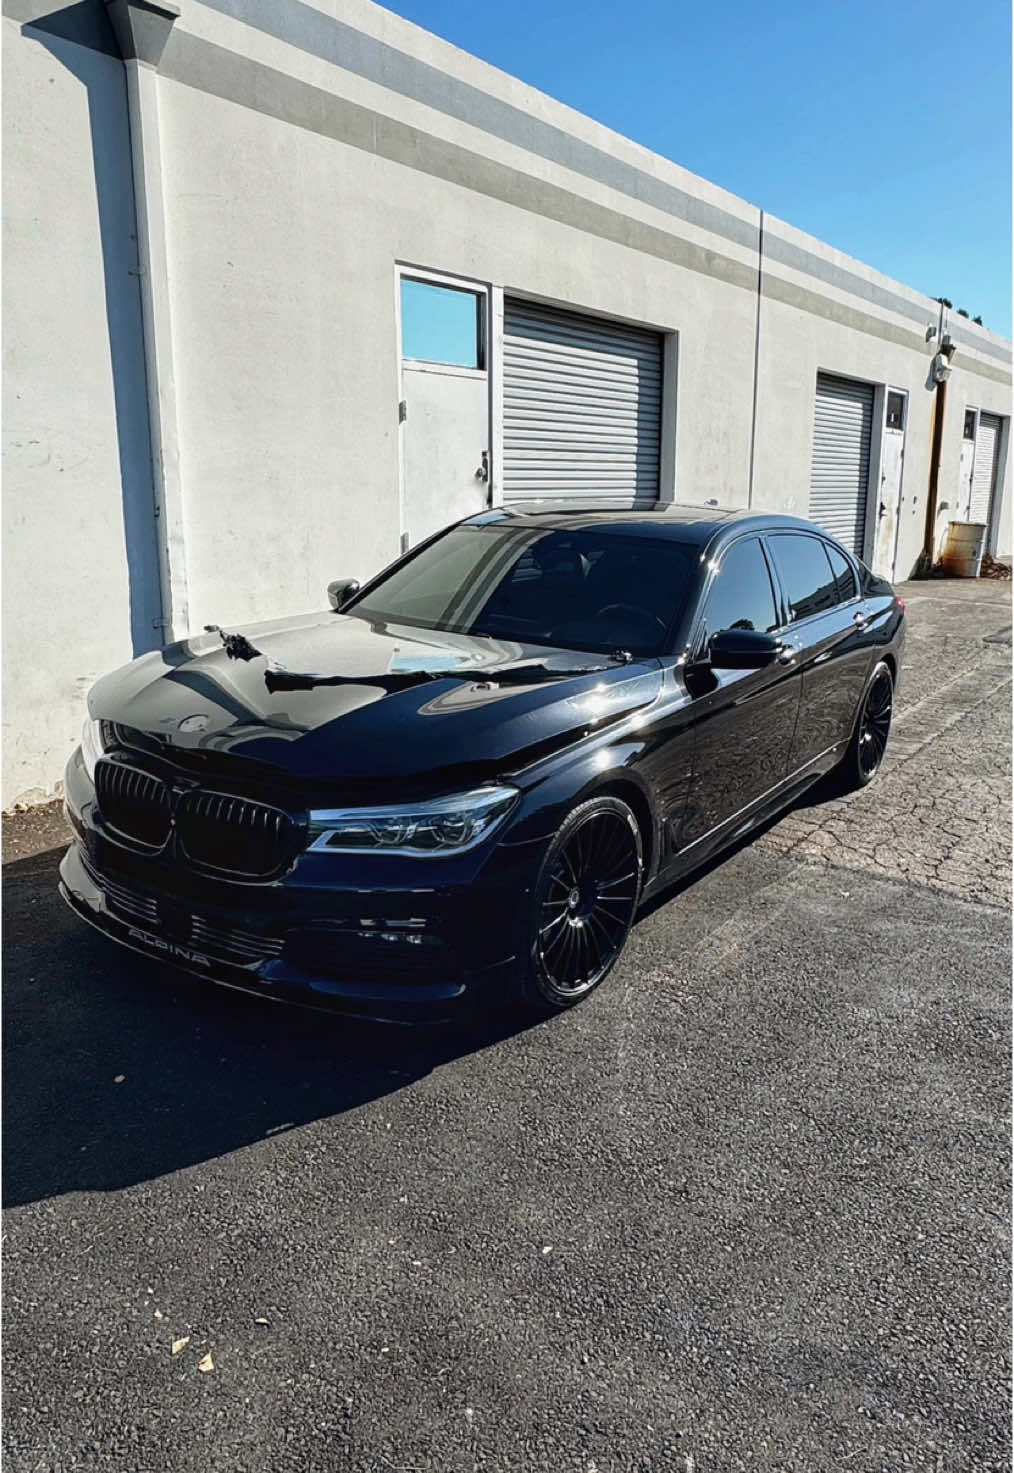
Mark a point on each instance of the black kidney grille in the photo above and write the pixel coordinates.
(134, 803)
(235, 835)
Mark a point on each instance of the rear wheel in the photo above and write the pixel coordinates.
(583, 904)
(861, 762)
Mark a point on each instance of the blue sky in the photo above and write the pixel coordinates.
(883, 129)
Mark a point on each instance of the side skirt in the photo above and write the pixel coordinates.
(725, 834)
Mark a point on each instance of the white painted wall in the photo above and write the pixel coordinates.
(286, 214)
(79, 593)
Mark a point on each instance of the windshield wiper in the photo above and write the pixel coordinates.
(277, 678)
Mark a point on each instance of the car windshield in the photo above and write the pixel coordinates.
(597, 590)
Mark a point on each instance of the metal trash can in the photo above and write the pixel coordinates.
(966, 542)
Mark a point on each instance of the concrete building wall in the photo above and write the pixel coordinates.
(80, 589)
(305, 151)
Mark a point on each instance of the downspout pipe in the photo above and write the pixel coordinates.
(946, 350)
(142, 29)
(929, 539)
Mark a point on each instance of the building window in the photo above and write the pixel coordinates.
(442, 324)
(969, 432)
(895, 410)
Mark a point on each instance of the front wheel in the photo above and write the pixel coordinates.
(583, 904)
(861, 762)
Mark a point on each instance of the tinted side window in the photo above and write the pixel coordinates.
(805, 573)
(741, 596)
(844, 577)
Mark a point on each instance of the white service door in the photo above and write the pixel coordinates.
(964, 501)
(446, 447)
(892, 457)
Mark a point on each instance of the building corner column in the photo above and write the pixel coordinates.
(142, 28)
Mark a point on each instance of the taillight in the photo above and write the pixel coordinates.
(900, 602)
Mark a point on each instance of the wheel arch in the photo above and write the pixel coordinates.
(619, 785)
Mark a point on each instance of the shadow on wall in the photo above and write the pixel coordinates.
(80, 38)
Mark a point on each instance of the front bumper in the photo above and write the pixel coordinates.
(400, 941)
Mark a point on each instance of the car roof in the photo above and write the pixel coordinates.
(698, 525)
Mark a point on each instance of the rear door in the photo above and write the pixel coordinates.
(744, 719)
(825, 622)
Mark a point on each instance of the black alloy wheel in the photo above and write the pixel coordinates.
(875, 722)
(584, 903)
(861, 762)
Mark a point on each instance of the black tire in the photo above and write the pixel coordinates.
(583, 905)
(865, 754)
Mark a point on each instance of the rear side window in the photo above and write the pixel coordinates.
(844, 577)
(741, 596)
(805, 573)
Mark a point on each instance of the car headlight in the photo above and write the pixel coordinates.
(439, 826)
(91, 745)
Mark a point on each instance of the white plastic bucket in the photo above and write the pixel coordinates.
(963, 550)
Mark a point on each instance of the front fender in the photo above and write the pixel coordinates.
(609, 765)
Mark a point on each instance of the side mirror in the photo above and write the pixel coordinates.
(742, 649)
(340, 591)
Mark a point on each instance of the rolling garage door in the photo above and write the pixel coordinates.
(987, 442)
(582, 407)
(840, 474)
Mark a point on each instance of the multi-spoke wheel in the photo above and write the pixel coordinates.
(583, 903)
(869, 742)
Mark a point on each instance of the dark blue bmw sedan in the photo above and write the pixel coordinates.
(459, 784)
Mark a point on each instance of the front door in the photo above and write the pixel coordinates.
(445, 404)
(744, 718)
(892, 455)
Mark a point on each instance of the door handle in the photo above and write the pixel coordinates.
(786, 655)
(860, 620)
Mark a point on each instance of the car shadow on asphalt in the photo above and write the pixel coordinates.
(117, 1069)
(814, 797)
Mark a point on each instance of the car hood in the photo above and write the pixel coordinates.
(385, 702)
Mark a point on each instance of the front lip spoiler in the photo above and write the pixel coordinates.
(280, 981)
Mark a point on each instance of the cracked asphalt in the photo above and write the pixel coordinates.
(746, 1208)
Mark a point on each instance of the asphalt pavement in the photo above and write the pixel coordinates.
(746, 1208)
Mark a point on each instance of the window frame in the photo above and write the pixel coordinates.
(464, 286)
(901, 394)
(481, 324)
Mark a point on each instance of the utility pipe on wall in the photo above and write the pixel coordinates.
(941, 373)
(142, 29)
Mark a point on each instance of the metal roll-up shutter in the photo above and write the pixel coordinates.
(840, 473)
(987, 442)
(582, 407)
